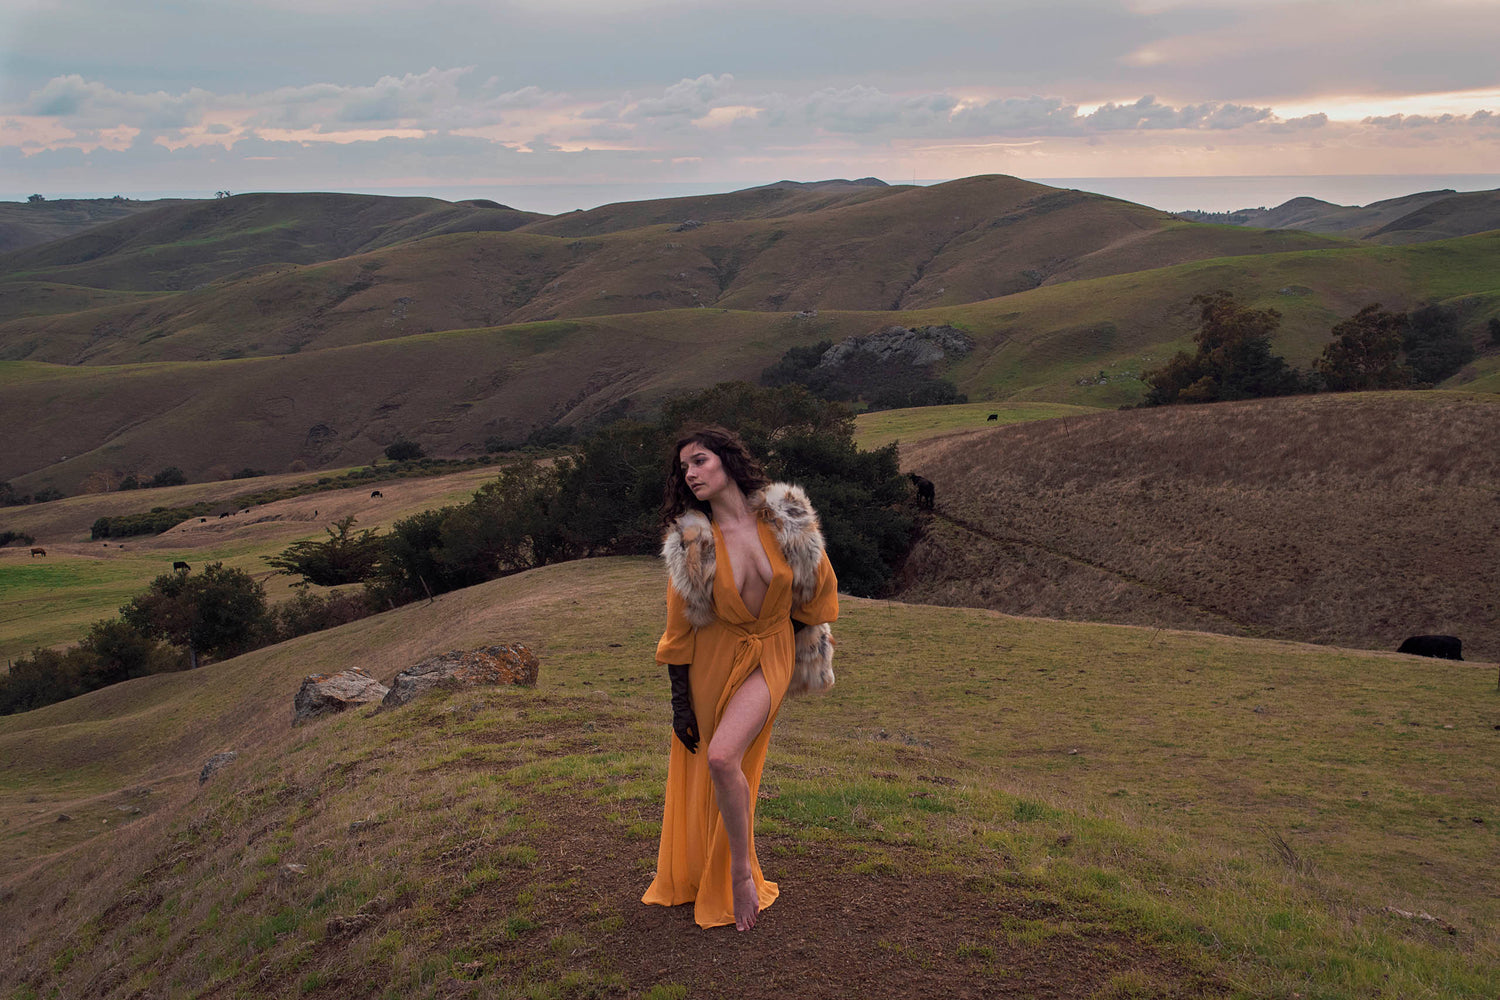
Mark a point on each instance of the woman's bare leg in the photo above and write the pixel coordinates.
(744, 718)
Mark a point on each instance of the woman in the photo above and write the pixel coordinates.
(749, 593)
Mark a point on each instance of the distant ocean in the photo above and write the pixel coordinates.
(1170, 194)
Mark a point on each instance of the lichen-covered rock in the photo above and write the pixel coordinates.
(512, 663)
(324, 694)
(216, 763)
(899, 345)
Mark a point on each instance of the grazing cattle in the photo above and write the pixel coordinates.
(38, 552)
(926, 492)
(1444, 647)
(225, 514)
(202, 520)
(992, 416)
(180, 565)
(376, 494)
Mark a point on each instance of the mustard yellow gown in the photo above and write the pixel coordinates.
(692, 864)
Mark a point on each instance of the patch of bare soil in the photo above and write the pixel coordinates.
(838, 932)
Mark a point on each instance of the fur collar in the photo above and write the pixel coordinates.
(688, 550)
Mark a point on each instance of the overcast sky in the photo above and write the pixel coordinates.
(461, 97)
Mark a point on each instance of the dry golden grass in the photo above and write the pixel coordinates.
(1351, 520)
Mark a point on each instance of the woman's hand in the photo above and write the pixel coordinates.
(684, 720)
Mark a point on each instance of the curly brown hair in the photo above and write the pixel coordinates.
(740, 465)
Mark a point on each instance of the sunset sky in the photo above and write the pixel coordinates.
(462, 97)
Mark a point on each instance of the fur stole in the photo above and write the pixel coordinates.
(688, 550)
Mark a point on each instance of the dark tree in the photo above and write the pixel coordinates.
(1494, 326)
(1435, 347)
(343, 558)
(218, 611)
(1233, 360)
(1366, 352)
(170, 476)
(402, 450)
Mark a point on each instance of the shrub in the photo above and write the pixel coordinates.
(170, 476)
(402, 450)
(7, 537)
(306, 613)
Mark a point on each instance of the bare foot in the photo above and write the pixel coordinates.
(746, 903)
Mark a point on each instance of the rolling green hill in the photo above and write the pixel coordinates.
(460, 338)
(1084, 342)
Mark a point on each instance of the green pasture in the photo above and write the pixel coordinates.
(52, 601)
(1249, 808)
(878, 429)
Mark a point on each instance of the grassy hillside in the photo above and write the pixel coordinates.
(1354, 520)
(907, 248)
(983, 805)
(1413, 218)
(186, 244)
(1082, 342)
(769, 201)
(326, 362)
(24, 224)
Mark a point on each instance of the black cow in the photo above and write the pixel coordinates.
(992, 416)
(180, 565)
(926, 492)
(376, 494)
(1443, 647)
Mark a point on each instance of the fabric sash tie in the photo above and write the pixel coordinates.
(747, 653)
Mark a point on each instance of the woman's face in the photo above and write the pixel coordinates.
(703, 472)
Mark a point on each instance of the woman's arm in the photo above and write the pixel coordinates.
(679, 638)
(824, 605)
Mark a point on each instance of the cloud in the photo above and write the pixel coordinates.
(91, 104)
(1148, 113)
(686, 99)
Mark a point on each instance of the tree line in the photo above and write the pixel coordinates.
(1373, 349)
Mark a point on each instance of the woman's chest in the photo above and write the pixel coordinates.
(748, 560)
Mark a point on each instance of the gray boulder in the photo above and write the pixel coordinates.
(898, 345)
(216, 763)
(324, 694)
(511, 663)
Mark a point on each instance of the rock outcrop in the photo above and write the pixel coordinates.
(324, 694)
(512, 663)
(898, 345)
